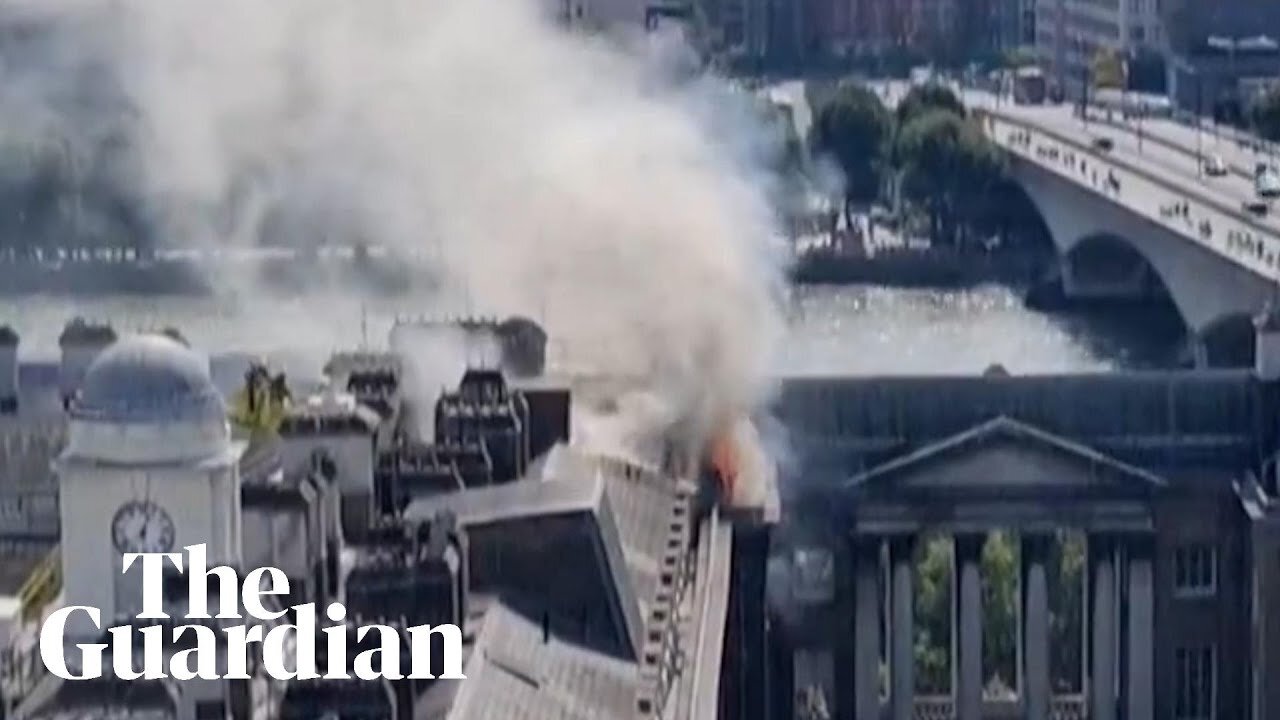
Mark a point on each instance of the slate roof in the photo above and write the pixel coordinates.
(516, 672)
(532, 499)
(1163, 420)
(651, 510)
(641, 522)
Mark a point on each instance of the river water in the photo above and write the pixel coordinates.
(834, 330)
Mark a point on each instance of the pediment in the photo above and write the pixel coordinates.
(1004, 458)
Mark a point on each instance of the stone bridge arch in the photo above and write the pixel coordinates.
(1110, 266)
(1206, 288)
(1230, 341)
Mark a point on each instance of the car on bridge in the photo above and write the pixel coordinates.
(1257, 207)
(1214, 166)
(1266, 182)
(1103, 143)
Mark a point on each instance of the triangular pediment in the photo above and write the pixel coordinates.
(1005, 458)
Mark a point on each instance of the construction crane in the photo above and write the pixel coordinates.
(261, 404)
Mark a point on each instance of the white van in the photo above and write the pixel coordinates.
(1266, 182)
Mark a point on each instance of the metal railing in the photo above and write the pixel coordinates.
(1157, 138)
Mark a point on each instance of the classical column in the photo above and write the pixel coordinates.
(1102, 681)
(1141, 683)
(902, 633)
(1035, 627)
(866, 651)
(968, 553)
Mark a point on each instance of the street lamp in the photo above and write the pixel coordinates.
(1193, 72)
(1078, 43)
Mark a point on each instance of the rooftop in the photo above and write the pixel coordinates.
(148, 379)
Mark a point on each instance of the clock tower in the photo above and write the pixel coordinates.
(149, 467)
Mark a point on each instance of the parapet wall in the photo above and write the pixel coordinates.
(1207, 417)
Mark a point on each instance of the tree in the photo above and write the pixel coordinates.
(1108, 70)
(1000, 568)
(922, 99)
(788, 158)
(1264, 114)
(853, 129)
(949, 168)
(1016, 58)
(1066, 577)
(933, 616)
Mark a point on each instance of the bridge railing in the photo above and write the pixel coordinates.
(1158, 138)
(1268, 235)
(1236, 135)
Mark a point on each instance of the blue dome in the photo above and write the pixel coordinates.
(148, 379)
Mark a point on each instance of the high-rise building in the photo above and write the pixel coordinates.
(880, 24)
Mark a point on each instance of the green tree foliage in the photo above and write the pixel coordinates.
(1001, 561)
(1066, 620)
(933, 616)
(1018, 57)
(949, 168)
(1264, 114)
(1108, 70)
(948, 171)
(853, 129)
(1000, 565)
(922, 99)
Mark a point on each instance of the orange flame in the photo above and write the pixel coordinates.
(724, 462)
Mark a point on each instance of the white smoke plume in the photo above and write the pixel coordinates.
(544, 173)
(438, 356)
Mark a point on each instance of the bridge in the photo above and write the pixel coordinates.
(1132, 213)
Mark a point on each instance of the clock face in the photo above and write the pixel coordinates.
(142, 527)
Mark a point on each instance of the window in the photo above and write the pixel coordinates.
(1194, 683)
(1195, 570)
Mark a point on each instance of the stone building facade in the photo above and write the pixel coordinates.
(1170, 477)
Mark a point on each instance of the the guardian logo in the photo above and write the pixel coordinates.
(288, 650)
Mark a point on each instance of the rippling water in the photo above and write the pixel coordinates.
(854, 330)
(877, 330)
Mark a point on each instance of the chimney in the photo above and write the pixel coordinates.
(338, 425)
(80, 343)
(8, 370)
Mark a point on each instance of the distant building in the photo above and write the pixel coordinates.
(1220, 52)
(1190, 23)
(879, 25)
(1070, 34)
(1015, 24)
(601, 12)
(586, 585)
(1222, 77)
(617, 15)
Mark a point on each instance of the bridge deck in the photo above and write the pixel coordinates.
(1148, 183)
